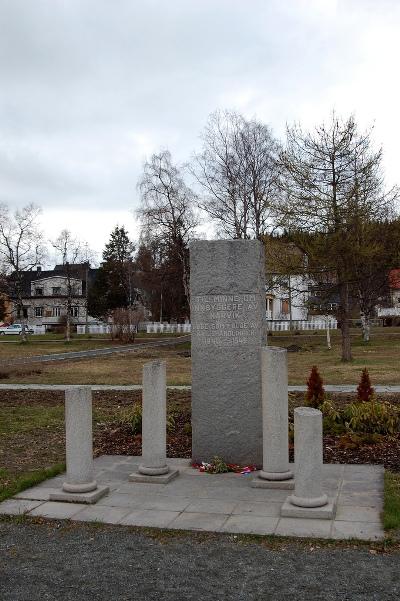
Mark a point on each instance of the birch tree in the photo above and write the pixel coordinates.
(167, 210)
(238, 171)
(21, 249)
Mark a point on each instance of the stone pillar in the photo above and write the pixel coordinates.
(80, 485)
(154, 466)
(308, 499)
(275, 421)
(228, 328)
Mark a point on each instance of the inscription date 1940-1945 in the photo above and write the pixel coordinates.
(225, 320)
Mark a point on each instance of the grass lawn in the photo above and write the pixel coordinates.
(12, 348)
(32, 441)
(381, 356)
(391, 510)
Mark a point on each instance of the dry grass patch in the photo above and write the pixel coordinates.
(18, 350)
(118, 369)
(381, 356)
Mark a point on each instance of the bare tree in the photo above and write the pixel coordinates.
(71, 252)
(239, 172)
(332, 183)
(21, 249)
(125, 322)
(167, 209)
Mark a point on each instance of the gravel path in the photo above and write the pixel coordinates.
(79, 563)
(128, 348)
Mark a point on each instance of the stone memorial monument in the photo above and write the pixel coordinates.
(227, 286)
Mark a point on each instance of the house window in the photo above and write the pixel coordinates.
(285, 306)
(56, 290)
(39, 291)
(38, 311)
(74, 312)
(56, 311)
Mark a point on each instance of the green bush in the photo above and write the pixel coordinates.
(370, 417)
(187, 428)
(367, 418)
(133, 417)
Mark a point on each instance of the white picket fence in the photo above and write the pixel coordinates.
(94, 329)
(38, 330)
(283, 326)
(168, 328)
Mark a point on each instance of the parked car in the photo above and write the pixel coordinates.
(15, 329)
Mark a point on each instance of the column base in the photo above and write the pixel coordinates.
(75, 497)
(308, 501)
(326, 512)
(282, 480)
(260, 482)
(156, 479)
(79, 488)
(153, 471)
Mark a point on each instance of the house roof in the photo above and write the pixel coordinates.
(77, 271)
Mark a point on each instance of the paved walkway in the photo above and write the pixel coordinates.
(96, 387)
(214, 503)
(128, 348)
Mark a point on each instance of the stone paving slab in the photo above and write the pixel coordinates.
(215, 503)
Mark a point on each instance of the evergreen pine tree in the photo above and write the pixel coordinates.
(364, 389)
(315, 389)
(114, 285)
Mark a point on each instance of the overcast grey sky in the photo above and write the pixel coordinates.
(90, 88)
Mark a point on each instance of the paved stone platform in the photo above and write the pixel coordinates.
(216, 503)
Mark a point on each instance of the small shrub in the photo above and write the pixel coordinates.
(315, 395)
(372, 417)
(352, 441)
(187, 429)
(332, 418)
(364, 389)
(133, 417)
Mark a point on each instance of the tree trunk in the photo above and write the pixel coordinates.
(344, 316)
(328, 336)
(86, 303)
(290, 306)
(365, 327)
(20, 311)
(68, 328)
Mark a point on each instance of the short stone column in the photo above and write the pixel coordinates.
(275, 422)
(80, 485)
(308, 499)
(154, 466)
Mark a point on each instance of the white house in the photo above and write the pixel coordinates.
(45, 295)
